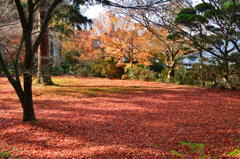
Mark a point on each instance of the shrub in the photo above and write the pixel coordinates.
(109, 69)
(157, 67)
(142, 74)
(124, 77)
(106, 68)
(57, 70)
(83, 70)
(163, 75)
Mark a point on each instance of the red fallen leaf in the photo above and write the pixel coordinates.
(124, 123)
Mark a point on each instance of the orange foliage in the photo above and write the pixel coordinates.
(84, 43)
(122, 39)
(168, 50)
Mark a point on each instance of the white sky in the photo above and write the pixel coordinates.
(94, 11)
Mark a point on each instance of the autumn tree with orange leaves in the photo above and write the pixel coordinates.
(168, 48)
(26, 14)
(156, 18)
(122, 39)
(82, 47)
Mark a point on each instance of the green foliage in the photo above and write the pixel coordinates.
(173, 36)
(71, 57)
(208, 14)
(201, 19)
(142, 73)
(189, 11)
(1, 72)
(163, 75)
(185, 19)
(188, 17)
(230, 6)
(157, 67)
(109, 69)
(84, 70)
(203, 7)
(180, 73)
(57, 70)
(216, 74)
(71, 16)
(155, 145)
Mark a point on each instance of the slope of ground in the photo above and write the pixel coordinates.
(102, 118)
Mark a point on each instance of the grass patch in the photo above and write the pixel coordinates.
(96, 89)
(5, 154)
(91, 93)
(235, 152)
(38, 94)
(195, 148)
(174, 152)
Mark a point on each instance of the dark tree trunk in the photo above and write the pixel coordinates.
(27, 21)
(27, 101)
(27, 104)
(44, 76)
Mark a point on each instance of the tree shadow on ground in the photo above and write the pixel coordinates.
(127, 122)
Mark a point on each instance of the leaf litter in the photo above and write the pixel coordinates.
(121, 119)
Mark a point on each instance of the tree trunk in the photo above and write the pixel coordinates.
(131, 68)
(44, 76)
(2, 55)
(26, 16)
(27, 103)
(2, 52)
(170, 75)
(201, 67)
(56, 50)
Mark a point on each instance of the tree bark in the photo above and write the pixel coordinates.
(27, 101)
(27, 21)
(2, 52)
(44, 76)
(27, 104)
(201, 67)
(56, 50)
(170, 75)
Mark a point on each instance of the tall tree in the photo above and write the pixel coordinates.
(220, 20)
(10, 30)
(169, 49)
(122, 38)
(156, 17)
(26, 12)
(66, 19)
(195, 21)
(44, 76)
(214, 28)
(27, 19)
(83, 46)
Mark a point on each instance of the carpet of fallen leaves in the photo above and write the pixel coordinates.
(103, 118)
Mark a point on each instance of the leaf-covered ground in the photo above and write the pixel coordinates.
(102, 118)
